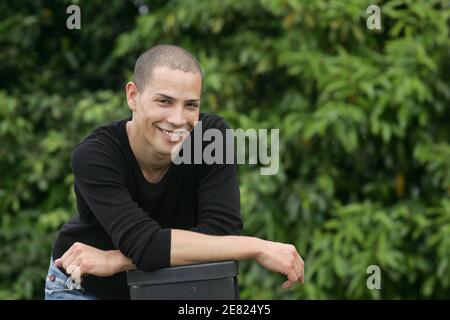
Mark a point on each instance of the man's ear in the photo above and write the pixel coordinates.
(132, 95)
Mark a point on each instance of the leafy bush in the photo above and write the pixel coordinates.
(363, 115)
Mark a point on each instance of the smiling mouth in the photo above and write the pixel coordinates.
(173, 135)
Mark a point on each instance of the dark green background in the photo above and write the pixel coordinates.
(363, 116)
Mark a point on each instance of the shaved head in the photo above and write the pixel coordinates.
(170, 56)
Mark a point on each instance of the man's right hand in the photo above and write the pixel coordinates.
(282, 258)
(82, 259)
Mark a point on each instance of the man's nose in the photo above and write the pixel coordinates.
(176, 117)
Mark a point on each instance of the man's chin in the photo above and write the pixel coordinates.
(164, 152)
(169, 151)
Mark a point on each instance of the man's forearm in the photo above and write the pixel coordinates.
(189, 247)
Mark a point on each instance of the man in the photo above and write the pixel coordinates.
(139, 210)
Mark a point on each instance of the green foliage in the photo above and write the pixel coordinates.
(363, 115)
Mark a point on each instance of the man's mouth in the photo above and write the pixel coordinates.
(173, 135)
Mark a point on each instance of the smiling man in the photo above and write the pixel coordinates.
(137, 209)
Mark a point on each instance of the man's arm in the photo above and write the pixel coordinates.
(189, 247)
(100, 187)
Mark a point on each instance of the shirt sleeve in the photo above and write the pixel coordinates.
(219, 196)
(99, 180)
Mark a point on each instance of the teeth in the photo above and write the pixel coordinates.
(173, 133)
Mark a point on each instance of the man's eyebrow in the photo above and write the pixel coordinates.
(172, 98)
(165, 96)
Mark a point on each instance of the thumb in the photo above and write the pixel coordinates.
(287, 284)
(58, 262)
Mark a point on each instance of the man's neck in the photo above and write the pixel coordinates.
(152, 164)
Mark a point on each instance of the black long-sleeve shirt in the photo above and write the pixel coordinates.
(119, 209)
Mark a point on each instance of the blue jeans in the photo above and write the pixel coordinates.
(60, 287)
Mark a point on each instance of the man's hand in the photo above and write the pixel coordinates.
(191, 247)
(82, 259)
(282, 258)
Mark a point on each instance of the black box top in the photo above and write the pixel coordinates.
(193, 272)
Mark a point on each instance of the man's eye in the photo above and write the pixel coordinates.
(192, 105)
(163, 101)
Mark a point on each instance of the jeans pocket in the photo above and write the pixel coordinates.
(59, 286)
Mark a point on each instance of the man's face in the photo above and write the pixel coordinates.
(168, 108)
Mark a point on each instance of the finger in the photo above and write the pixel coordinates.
(69, 261)
(303, 270)
(67, 255)
(71, 268)
(59, 262)
(76, 275)
(79, 264)
(292, 277)
(287, 284)
(301, 279)
(303, 273)
(74, 259)
(302, 267)
(298, 271)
